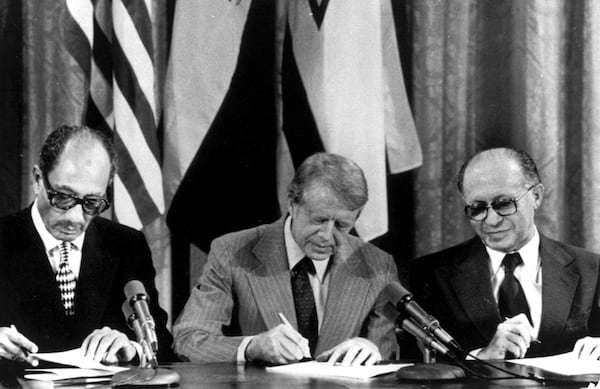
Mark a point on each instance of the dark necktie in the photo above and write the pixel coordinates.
(511, 299)
(66, 279)
(304, 302)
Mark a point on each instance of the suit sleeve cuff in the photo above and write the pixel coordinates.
(474, 353)
(241, 353)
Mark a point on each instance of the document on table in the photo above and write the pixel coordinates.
(73, 375)
(85, 367)
(565, 364)
(323, 369)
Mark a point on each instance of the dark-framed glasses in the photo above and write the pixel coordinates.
(91, 205)
(504, 207)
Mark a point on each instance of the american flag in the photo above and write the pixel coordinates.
(112, 43)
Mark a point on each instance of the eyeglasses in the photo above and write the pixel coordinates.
(503, 207)
(91, 205)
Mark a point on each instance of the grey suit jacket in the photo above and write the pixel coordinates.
(246, 283)
(454, 286)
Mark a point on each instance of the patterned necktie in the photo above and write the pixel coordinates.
(304, 302)
(66, 280)
(511, 299)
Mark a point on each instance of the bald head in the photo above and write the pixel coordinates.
(499, 156)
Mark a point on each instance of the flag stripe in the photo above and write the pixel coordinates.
(138, 150)
(100, 52)
(100, 105)
(299, 126)
(136, 100)
(132, 54)
(76, 27)
(95, 119)
(134, 183)
(125, 210)
(238, 151)
(141, 21)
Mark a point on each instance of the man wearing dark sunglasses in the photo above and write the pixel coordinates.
(511, 291)
(62, 268)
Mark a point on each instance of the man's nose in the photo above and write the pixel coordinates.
(493, 218)
(76, 214)
(327, 229)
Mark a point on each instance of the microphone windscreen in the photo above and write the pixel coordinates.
(126, 309)
(133, 288)
(395, 292)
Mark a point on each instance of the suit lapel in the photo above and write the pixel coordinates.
(95, 280)
(559, 283)
(348, 289)
(269, 279)
(470, 280)
(31, 273)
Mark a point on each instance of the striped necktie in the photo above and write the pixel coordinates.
(66, 279)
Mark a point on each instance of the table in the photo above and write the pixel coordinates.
(226, 375)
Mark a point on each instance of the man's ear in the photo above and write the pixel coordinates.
(538, 194)
(37, 177)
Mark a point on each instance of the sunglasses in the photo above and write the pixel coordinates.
(91, 205)
(503, 207)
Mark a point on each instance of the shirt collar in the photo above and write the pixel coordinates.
(530, 253)
(295, 253)
(50, 242)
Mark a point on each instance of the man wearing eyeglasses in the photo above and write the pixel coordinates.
(510, 291)
(62, 268)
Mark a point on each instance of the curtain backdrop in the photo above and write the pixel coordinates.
(523, 74)
(480, 73)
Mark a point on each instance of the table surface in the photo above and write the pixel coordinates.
(226, 375)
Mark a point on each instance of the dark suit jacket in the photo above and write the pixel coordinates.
(454, 286)
(112, 255)
(246, 283)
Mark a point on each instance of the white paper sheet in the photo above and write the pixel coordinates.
(565, 364)
(59, 374)
(322, 369)
(76, 358)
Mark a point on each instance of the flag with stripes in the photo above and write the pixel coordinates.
(112, 43)
(220, 121)
(342, 91)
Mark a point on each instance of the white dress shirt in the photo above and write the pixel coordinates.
(51, 244)
(529, 274)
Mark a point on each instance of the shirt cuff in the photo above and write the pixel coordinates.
(241, 353)
(473, 353)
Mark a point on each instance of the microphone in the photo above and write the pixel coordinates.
(403, 301)
(138, 300)
(134, 324)
(428, 340)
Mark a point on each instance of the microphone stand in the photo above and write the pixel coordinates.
(148, 373)
(429, 370)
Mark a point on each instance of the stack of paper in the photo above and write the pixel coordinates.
(87, 370)
(323, 369)
(565, 364)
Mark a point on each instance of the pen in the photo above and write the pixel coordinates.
(284, 319)
(304, 345)
(533, 340)
(24, 350)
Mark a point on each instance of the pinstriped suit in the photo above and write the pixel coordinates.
(246, 282)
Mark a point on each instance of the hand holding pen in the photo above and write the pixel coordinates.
(279, 345)
(15, 346)
(304, 342)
